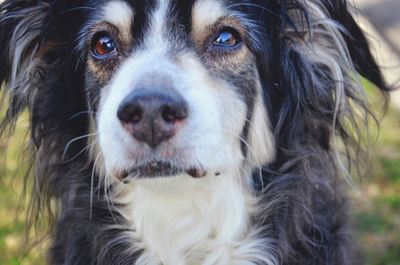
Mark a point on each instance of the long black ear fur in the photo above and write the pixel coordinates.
(320, 116)
(39, 72)
(33, 52)
(20, 30)
(357, 43)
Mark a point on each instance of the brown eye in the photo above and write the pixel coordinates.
(104, 46)
(228, 38)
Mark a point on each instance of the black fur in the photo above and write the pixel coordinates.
(308, 217)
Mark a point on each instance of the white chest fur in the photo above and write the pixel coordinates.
(184, 221)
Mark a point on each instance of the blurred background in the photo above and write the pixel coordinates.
(375, 213)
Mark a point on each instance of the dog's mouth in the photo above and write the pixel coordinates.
(159, 169)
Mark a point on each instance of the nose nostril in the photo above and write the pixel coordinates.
(172, 113)
(167, 114)
(168, 118)
(137, 115)
(130, 113)
(136, 118)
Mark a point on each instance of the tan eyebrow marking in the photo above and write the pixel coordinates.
(120, 14)
(205, 13)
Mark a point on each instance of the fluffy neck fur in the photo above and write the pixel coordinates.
(193, 221)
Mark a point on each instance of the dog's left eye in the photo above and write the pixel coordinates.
(103, 46)
(227, 38)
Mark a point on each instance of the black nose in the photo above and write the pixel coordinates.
(152, 116)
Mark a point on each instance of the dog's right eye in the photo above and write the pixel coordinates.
(103, 46)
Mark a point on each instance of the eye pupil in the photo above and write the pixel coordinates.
(226, 39)
(104, 46)
(108, 45)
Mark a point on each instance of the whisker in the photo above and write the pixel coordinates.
(80, 113)
(259, 166)
(92, 184)
(255, 5)
(108, 200)
(77, 9)
(83, 150)
(80, 58)
(74, 140)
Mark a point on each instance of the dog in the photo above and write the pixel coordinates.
(190, 131)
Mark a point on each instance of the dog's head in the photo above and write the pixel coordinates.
(197, 88)
(179, 93)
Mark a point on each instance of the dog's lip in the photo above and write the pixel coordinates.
(156, 169)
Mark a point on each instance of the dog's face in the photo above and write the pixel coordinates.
(176, 89)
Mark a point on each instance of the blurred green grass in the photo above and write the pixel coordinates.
(376, 214)
(15, 247)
